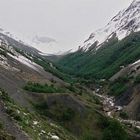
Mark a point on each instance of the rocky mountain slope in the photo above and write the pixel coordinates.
(114, 43)
(36, 104)
(108, 62)
(43, 100)
(120, 26)
(18, 66)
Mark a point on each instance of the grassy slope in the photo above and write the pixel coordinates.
(4, 135)
(105, 62)
(33, 124)
(92, 126)
(46, 64)
(79, 114)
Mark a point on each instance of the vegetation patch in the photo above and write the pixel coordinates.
(4, 135)
(88, 125)
(36, 126)
(114, 131)
(40, 88)
(137, 80)
(58, 111)
(124, 115)
(119, 86)
(54, 70)
(104, 63)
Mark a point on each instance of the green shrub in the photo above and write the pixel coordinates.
(57, 111)
(72, 88)
(68, 114)
(4, 96)
(117, 88)
(137, 80)
(14, 114)
(124, 115)
(114, 132)
(88, 136)
(36, 87)
(97, 101)
(1, 125)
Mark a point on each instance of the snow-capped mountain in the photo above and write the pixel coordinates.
(11, 40)
(125, 22)
(11, 35)
(41, 44)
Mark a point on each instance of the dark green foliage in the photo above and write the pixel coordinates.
(137, 80)
(88, 136)
(58, 112)
(4, 96)
(14, 114)
(124, 115)
(112, 129)
(105, 62)
(46, 65)
(72, 88)
(36, 87)
(68, 114)
(114, 132)
(119, 86)
(1, 125)
(41, 106)
(103, 122)
(96, 99)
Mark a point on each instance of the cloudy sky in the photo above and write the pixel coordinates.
(69, 22)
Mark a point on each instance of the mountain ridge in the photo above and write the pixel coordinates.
(120, 26)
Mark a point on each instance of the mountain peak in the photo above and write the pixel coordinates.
(135, 1)
(134, 4)
(121, 25)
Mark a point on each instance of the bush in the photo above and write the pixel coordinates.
(13, 114)
(36, 87)
(88, 136)
(124, 115)
(137, 80)
(1, 125)
(97, 101)
(68, 114)
(72, 88)
(118, 87)
(114, 132)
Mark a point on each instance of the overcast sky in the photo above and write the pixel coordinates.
(69, 22)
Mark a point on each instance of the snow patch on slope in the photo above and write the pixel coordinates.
(135, 63)
(7, 49)
(26, 62)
